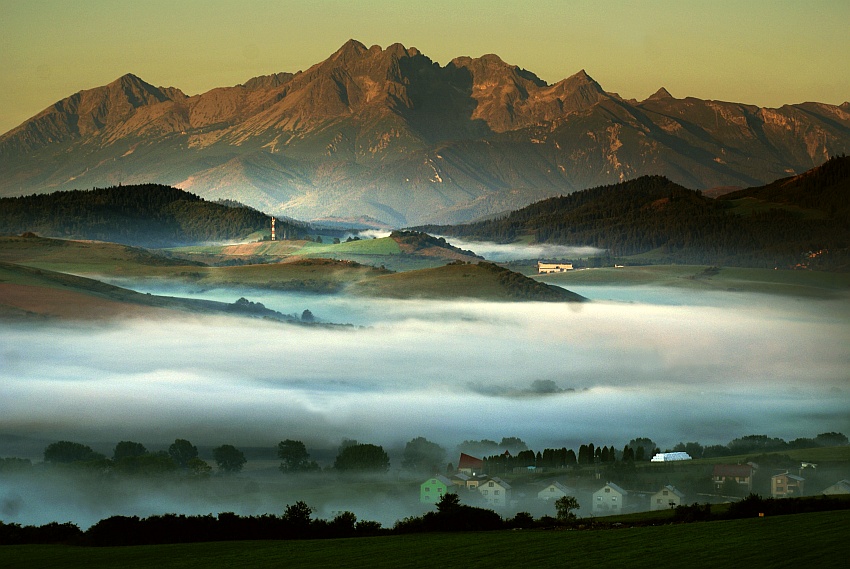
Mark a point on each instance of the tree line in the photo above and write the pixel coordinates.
(297, 522)
(150, 215)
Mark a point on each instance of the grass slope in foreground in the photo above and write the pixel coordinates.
(801, 540)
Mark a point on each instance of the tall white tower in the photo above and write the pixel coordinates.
(273, 236)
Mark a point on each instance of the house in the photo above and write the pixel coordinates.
(469, 464)
(434, 488)
(554, 491)
(546, 268)
(496, 492)
(840, 487)
(785, 485)
(667, 497)
(468, 482)
(742, 474)
(609, 500)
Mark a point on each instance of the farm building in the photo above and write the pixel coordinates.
(554, 491)
(469, 465)
(610, 499)
(667, 497)
(785, 485)
(434, 488)
(840, 487)
(740, 473)
(670, 456)
(546, 268)
(496, 492)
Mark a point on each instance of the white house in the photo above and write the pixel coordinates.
(554, 491)
(609, 500)
(667, 497)
(840, 487)
(546, 268)
(496, 492)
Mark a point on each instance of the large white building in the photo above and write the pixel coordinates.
(546, 268)
(670, 456)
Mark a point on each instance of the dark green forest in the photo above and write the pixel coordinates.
(148, 215)
(799, 222)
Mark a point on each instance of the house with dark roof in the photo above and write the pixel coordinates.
(742, 474)
(667, 497)
(785, 485)
(496, 492)
(554, 491)
(840, 487)
(609, 500)
(434, 488)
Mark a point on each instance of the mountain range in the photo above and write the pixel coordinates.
(392, 135)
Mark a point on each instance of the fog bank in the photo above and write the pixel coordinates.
(550, 374)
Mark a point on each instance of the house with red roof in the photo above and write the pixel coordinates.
(742, 474)
(470, 465)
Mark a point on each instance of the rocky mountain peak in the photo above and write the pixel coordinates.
(660, 95)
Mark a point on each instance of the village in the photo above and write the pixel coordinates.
(667, 481)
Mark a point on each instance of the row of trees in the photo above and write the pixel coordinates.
(134, 458)
(420, 455)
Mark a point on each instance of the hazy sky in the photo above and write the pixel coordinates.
(764, 52)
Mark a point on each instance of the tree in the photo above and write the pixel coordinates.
(647, 444)
(307, 316)
(128, 449)
(421, 455)
(513, 444)
(182, 451)
(198, 467)
(448, 502)
(362, 457)
(831, 439)
(229, 458)
(67, 452)
(298, 516)
(294, 457)
(564, 507)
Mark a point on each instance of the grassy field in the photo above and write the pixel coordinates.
(784, 541)
(810, 284)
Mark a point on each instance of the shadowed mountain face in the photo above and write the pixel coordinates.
(390, 134)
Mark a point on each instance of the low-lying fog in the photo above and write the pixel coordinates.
(704, 368)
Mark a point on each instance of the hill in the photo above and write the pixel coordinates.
(148, 215)
(799, 222)
(459, 280)
(389, 133)
(27, 293)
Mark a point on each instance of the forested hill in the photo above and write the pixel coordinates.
(665, 222)
(148, 215)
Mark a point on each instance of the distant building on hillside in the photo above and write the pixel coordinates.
(545, 268)
(742, 474)
(785, 485)
(670, 456)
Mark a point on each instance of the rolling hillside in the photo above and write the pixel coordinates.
(800, 222)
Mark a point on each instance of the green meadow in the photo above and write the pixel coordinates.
(813, 539)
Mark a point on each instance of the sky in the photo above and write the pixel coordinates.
(763, 52)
